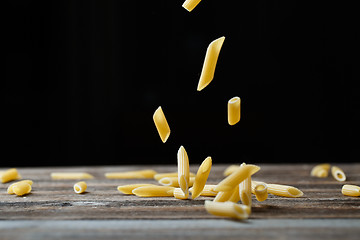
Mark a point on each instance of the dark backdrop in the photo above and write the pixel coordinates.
(83, 78)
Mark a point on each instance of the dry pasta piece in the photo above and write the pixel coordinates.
(321, 170)
(351, 190)
(154, 191)
(22, 188)
(10, 175)
(230, 169)
(234, 111)
(179, 194)
(211, 57)
(227, 209)
(141, 174)
(338, 174)
(234, 179)
(174, 181)
(70, 175)
(225, 196)
(235, 197)
(201, 177)
(183, 169)
(127, 189)
(161, 124)
(159, 176)
(10, 188)
(282, 190)
(208, 191)
(245, 191)
(190, 4)
(80, 187)
(261, 192)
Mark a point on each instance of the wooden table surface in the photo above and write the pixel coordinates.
(54, 211)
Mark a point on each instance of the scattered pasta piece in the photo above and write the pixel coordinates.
(245, 191)
(159, 176)
(208, 191)
(161, 124)
(227, 209)
(351, 190)
(234, 110)
(321, 170)
(179, 194)
(201, 177)
(211, 57)
(21, 188)
(10, 175)
(70, 175)
(183, 170)
(141, 174)
(80, 187)
(261, 192)
(230, 169)
(281, 190)
(225, 196)
(190, 4)
(10, 188)
(174, 181)
(338, 174)
(235, 197)
(154, 191)
(237, 177)
(127, 189)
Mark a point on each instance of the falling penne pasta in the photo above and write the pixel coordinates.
(127, 189)
(208, 191)
(10, 188)
(154, 191)
(70, 175)
(338, 174)
(179, 194)
(201, 177)
(159, 176)
(230, 169)
(141, 174)
(260, 191)
(80, 187)
(190, 4)
(10, 175)
(281, 190)
(237, 177)
(227, 209)
(211, 57)
(351, 190)
(234, 111)
(321, 170)
(174, 181)
(161, 124)
(183, 169)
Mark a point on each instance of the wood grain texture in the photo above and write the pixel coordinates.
(56, 200)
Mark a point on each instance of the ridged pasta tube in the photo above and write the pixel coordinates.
(141, 174)
(10, 188)
(174, 181)
(127, 189)
(70, 175)
(201, 177)
(225, 196)
(261, 192)
(80, 187)
(351, 190)
(10, 175)
(179, 194)
(159, 176)
(211, 57)
(234, 111)
(161, 124)
(338, 174)
(321, 170)
(281, 190)
(227, 209)
(154, 191)
(208, 191)
(183, 170)
(190, 4)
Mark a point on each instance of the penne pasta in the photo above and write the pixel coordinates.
(127, 189)
(235, 196)
(281, 190)
(230, 169)
(234, 112)
(159, 176)
(208, 191)
(21, 188)
(338, 174)
(179, 194)
(201, 177)
(10, 175)
(174, 181)
(161, 124)
(211, 57)
(245, 191)
(321, 170)
(234, 179)
(351, 190)
(10, 188)
(154, 191)
(225, 196)
(227, 209)
(261, 192)
(70, 175)
(80, 187)
(183, 169)
(190, 4)
(141, 174)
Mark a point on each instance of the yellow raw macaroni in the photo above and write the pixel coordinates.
(159, 176)
(10, 175)
(21, 188)
(179, 194)
(234, 110)
(141, 174)
(338, 174)
(230, 169)
(237, 177)
(154, 191)
(183, 170)
(70, 175)
(10, 188)
(211, 57)
(161, 124)
(201, 177)
(225, 196)
(174, 181)
(245, 191)
(227, 209)
(127, 189)
(281, 190)
(80, 187)
(190, 4)
(321, 170)
(351, 190)
(260, 191)
(235, 197)
(208, 191)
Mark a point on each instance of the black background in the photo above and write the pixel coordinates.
(83, 78)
